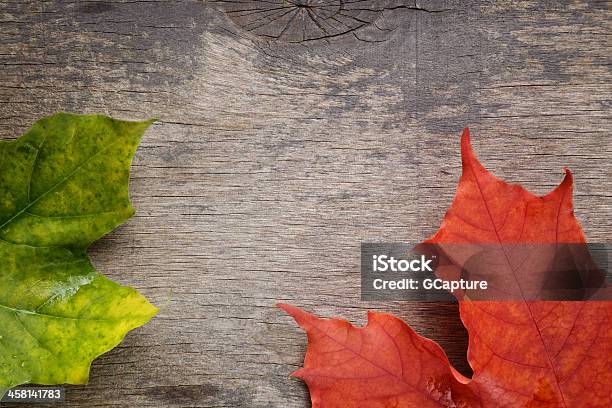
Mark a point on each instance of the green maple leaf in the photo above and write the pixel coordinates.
(63, 185)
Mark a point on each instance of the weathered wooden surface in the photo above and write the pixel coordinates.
(280, 147)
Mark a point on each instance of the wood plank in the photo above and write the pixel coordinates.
(273, 158)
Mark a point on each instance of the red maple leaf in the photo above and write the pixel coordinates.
(544, 354)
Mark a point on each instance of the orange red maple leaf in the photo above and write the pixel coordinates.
(536, 354)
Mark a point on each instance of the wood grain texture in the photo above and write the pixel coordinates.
(274, 157)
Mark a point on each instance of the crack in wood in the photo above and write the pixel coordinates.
(301, 21)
